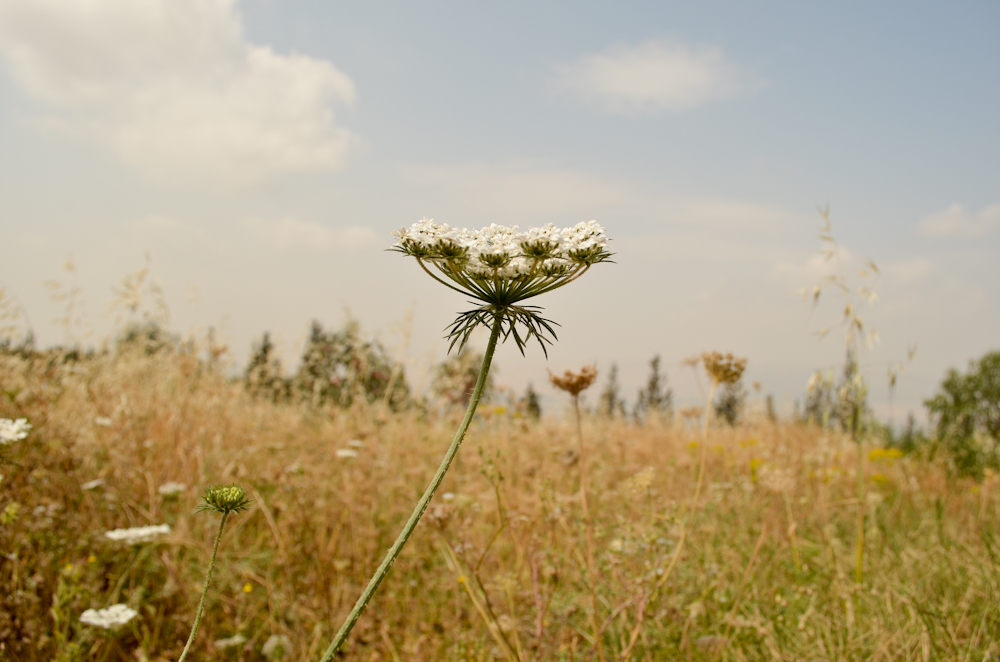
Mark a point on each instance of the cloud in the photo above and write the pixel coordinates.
(652, 77)
(957, 221)
(174, 90)
(294, 234)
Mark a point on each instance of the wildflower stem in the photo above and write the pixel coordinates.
(589, 525)
(204, 592)
(425, 500)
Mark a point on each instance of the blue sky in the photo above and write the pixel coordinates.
(261, 152)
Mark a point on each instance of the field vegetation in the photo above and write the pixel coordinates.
(758, 563)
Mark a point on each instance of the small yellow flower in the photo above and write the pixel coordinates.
(68, 567)
(247, 587)
(91, 559)
(881, 479)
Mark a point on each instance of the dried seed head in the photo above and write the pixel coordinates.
(575, 382)
(225, 499)
(723, 369)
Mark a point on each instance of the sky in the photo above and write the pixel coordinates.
(255, 157)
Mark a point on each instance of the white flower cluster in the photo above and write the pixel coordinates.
(11, 431)
(112, 617)
(171, 488)
(277, 647)
(504, 250)
(229, 642)
(138, 534)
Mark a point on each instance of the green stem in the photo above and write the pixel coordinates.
(204, 592)
(421, 506)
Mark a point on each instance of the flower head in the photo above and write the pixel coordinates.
(277, 647)
(723, 369)
(112, 617)
(11, 431)
(225, 499)
(500, 265)
(138, 534)
(171, 488)
(575, 383)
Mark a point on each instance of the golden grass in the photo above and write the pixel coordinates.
(498, 568)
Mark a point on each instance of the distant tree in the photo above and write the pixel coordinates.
(264, 376)
(965, 414)
(611, 403)
(656, 398)
(730, 401)
(530, 403)
(341, 368)
(147, 336)
(455, 378)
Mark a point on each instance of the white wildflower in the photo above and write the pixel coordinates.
(138, 534)
(277, 647)
(346, 453)
(229, 642)
(11, 431)
(92, 484)
(171, 488)
(103, 421)
(109, 618)
(448, 496)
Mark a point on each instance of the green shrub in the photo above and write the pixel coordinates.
(966, 416)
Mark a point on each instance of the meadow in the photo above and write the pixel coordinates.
(762, 566)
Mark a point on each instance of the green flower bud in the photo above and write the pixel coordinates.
(225, 499)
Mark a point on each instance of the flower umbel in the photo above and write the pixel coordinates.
(225, 499)
(112, 617)
(11, 431)
(138, 535)
(501, 266)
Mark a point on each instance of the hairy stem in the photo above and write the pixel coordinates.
(204, 591)
(421, 506)
(589, 525)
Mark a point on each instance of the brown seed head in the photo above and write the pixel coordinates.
(691, 412)
(575, 382)
(723, 369)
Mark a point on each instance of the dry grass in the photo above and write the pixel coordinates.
(502, 560)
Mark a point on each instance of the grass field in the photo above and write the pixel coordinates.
(762, 567)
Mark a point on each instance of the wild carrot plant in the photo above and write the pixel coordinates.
(499, 266)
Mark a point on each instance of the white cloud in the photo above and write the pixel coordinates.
(652, 77)
(294, 234)
(173, 88)
(957, 221)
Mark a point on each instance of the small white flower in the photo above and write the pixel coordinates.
(229, 642)
(109, 618)
(103, 421)
(346, 453)
(276, 647)
(11, 431)
(92, 484)
(171, 488)
(138, 534)
(448, 496)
